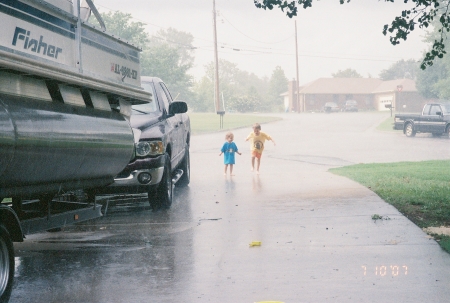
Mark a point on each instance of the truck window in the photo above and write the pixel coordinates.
(167, 91)
(434, 109)
(426, 110)
(164, 97)
(147, 107)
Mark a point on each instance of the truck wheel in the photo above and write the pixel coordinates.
(186, 168)
(409, 130)
(6, 264)
(447, 131)
(164, 193)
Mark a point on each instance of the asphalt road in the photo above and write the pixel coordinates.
(318, 241)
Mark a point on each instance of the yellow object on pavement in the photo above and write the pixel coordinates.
(256, 243)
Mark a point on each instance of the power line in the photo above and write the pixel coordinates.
(253, 38)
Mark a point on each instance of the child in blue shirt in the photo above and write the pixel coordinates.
(228, 150)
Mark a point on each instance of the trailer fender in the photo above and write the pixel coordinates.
(9, 219)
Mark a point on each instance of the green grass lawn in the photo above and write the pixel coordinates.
(210, 122)
(387, 125)
(419, 190)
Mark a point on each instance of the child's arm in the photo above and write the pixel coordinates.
(271, 139)
(220, 153)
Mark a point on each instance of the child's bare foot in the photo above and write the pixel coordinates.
(252, 168)
(231, 174)
(257, 172)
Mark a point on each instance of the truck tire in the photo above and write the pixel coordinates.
(163, 196)
(186, 168)
(6, 264)
(409, 130)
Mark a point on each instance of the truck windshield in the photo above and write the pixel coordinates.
(147, 108)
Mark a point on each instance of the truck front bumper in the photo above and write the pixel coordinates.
(135, 178)
(140, 176)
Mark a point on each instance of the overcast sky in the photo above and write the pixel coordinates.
(331, 36)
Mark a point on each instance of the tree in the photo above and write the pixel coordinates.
(348, 73)
(162, 61)
(434, 82)
(278, 84)
(401, 70)
(120, 24)
(181, 41)
(431, 82)
(422, 14)
(240, 90)
(169, 56)
(204, 95)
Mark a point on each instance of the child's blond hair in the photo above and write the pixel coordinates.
(229, 135)
(257, 126)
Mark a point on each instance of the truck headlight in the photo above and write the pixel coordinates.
(149, 148)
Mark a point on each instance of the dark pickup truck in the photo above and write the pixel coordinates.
(434, 119)
(162, 135)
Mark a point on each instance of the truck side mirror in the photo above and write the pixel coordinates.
(439, 113)
(177, 107)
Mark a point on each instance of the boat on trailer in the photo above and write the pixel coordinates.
(66, 91)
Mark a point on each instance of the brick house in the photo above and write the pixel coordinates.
(370, 93)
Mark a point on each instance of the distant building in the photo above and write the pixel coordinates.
(370, 93)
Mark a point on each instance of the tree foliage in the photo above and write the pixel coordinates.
(347, 73)
(422, 14)
(278, 84)
(120, 24)
(240, 91)
(162, 61)
(181, 41)
(434, 82)
(401, 70)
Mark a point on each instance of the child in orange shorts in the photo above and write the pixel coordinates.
(257, 139)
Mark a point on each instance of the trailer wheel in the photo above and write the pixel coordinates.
(409, 130)
(6, 264)
(164, 193)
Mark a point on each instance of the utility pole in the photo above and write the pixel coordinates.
(300, 108)
(219, 109)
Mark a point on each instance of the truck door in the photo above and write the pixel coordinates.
(423, 121)
(436, 121)
(172, 122)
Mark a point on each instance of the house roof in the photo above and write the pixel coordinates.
(408, 85)
(355, 86)
(341, 86)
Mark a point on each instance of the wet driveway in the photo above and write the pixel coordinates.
(318, 241)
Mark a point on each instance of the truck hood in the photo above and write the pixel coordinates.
(144, 121)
